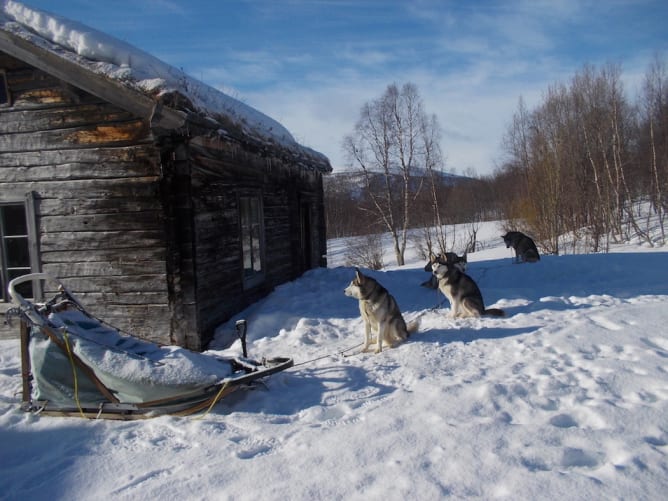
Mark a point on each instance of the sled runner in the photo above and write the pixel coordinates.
(73, 364)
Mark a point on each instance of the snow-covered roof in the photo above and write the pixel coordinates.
(137, 70)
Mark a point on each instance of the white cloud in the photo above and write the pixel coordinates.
(474, 107)
(312, 64)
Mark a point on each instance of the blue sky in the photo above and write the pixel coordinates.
(312, 64)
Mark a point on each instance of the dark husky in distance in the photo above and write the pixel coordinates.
(445, 257)
(462, 292)
(380, 312)
(525, 248)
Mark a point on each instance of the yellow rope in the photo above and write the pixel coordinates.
(74, 373)
(214, 401)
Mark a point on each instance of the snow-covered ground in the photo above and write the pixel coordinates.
(565, 398)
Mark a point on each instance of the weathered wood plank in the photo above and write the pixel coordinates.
(145, 221)
(146, 321)
(22, 76)
(119, 300)
(78, 171)
(103, 268)
(117, 284)
(140, 153)
(205, 168)
(96, 135)
(99, 188)
(93, 240)
(91, 206)
(39, 97)
(139, 256)
(62, 117)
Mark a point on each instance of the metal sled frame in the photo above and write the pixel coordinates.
(33, 315)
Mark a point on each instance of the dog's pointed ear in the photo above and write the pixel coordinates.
(358, 274)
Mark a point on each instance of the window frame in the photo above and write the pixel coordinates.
(254, 278)
(28, 205)
(4, 87)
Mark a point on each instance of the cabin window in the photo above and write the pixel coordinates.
(4, 90)
(252, 239)
(17, 246)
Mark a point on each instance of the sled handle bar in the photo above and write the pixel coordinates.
(11, 287)
(27, 306)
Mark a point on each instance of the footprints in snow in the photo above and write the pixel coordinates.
(249, 448)
(574, 394)
(340, 407)
(563, 421)
(605, 323)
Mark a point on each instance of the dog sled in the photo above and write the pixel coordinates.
(74, 364)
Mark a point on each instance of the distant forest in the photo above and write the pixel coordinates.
(581, 169)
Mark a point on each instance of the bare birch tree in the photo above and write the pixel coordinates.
(433, 163)
(654, 139)
(392, 145)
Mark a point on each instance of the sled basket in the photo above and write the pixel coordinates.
(74, 364)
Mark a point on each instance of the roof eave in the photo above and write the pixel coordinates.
(91, 82)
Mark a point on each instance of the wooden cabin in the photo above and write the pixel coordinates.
(166, 219)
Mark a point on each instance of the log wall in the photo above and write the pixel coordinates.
(95, 173)
(221, 173)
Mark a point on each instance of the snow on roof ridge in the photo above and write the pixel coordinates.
(121, 61)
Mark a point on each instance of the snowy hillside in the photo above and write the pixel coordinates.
(565, 398)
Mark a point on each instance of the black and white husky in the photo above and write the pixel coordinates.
(380, 312)
(462, 292)
(525, 248)
(446, 257)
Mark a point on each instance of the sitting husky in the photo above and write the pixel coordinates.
(462, 292)
(524, 246)
(380, 312)
(447, 257)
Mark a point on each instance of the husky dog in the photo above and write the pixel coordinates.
(447, 257)
(524, 246)
(462, 292)
(380, 312)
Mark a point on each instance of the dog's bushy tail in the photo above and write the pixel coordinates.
(494, 312)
